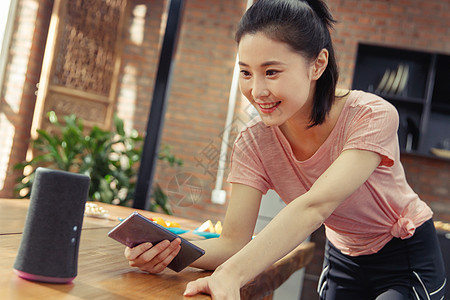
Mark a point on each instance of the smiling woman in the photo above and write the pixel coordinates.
(332, 156)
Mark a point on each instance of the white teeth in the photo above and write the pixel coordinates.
(266, 106)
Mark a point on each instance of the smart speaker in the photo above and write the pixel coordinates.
(48, 251)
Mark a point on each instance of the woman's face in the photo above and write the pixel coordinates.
(277, 81)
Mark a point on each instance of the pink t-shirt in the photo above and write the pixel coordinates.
(385, 206)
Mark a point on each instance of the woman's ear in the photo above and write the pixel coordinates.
(320, 64)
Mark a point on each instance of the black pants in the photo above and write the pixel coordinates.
(403, 269)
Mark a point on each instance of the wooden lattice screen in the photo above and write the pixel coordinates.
(81, 62)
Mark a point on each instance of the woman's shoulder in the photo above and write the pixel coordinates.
(361, 102)
(254, 127)
(255, 132)
(359, 98)
(364, 106)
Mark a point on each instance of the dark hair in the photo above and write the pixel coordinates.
(305, 27)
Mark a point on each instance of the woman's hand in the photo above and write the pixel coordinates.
(153, 259)
(219, 286)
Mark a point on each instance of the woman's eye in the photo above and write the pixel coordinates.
(271, 72)
(245, 73)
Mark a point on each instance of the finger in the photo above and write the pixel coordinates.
(133, 253)
(154, 255)
(145, 257)
(158, 267)
(196, 287)
(149, 262)
(167, 254)
(164, 263)
(162, 249)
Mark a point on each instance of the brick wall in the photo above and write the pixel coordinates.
(430, 178)
(197, 105)
(412, 24)
(142, 42)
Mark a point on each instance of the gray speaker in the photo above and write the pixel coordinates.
(48, 251)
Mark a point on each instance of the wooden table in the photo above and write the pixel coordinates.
(104, 273)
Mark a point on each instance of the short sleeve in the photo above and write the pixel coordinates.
(374, 127)
(246, 167)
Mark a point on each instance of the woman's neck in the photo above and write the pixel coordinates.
(305, 140)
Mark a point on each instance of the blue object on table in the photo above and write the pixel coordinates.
(177, 230)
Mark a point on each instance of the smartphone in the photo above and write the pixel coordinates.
(137, 229)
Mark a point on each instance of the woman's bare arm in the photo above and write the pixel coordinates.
(238, 227)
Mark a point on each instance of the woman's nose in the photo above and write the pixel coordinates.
(259, 89)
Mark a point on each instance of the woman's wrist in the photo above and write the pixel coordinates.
(233, 272)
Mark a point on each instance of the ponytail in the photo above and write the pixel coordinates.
(322, 11)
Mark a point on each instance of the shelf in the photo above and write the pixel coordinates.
(391, 71)
(391, 98)
(417, 84)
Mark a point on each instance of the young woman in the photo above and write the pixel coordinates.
(332, 156)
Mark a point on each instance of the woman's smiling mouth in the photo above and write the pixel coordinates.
(267, 108)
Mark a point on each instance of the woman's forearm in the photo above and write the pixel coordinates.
(286, 231)
(217, 251)
(238, 227)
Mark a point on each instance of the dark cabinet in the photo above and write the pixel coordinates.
(418, 84)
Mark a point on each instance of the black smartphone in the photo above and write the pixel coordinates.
(137, 229)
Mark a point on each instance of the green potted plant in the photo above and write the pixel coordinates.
(109, 158)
